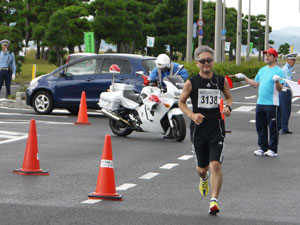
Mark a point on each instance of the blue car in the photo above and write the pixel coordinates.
(62, 88)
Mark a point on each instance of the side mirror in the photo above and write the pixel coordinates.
(139, 73)
(180, 67)
(62, 73)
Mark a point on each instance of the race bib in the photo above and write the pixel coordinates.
(208, 98)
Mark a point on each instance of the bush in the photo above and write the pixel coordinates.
(228, 68)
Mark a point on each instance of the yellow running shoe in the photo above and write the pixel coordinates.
(213, 207)
(203, 187)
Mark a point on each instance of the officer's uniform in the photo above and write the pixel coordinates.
(208, 137)
(7, 67)
(285, 98)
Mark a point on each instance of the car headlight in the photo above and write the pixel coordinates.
(34, 83)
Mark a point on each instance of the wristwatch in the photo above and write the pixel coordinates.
(229, 107)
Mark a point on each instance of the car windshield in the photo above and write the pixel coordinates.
(149, 65)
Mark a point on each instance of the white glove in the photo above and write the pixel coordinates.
(240, 76)
(276, 78)
(13, 76)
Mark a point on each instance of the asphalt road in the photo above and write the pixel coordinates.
(256, 190)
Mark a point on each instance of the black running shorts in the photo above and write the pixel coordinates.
(208, 140)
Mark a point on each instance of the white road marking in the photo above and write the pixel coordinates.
(37, 121)
(91, 201)
(35, 115)
(185, 157)
(244, 108)
(148, 176)
(125, 186)
(250, 97)
(9, 136)
(168, 166)
(252, 121)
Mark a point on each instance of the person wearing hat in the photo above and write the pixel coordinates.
(285, 96)
(7, 66)
(268, 82)
(164, 67)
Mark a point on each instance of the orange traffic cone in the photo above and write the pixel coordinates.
(222, 114)
(105, 188)
(82, 118)
(31, 163)
(221, 108)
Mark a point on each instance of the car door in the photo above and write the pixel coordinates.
(74, 79)
(104, 78)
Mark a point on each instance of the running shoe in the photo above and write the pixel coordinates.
(203, 186)
(270, 153)
(259, 152)
(213, 207)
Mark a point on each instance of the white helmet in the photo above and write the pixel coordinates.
(163, 61)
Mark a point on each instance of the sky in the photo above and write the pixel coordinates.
(283, 13)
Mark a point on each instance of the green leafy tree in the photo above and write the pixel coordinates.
(284, 49)
(258, 33)
(169, 18)
(56, 36)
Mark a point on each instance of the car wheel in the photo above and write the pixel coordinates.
(42, 102)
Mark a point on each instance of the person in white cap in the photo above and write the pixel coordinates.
(7, 66)
(164, 67)
(285, 96)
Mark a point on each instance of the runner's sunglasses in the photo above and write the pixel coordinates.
(203, 61)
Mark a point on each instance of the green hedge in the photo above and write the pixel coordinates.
(228, 68)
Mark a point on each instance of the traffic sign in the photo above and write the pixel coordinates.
(200, 23)
(200, 32)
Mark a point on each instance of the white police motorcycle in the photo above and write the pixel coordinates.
(154, 110)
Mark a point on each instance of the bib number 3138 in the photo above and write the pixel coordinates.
(208, 98)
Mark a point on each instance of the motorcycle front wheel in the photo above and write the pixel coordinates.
(179, 130)
(119, 128)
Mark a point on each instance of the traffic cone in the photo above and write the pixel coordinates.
(221, 108)
(82, 118)
(298, 81)
(31, 163)
(222, 114)
(105, 188)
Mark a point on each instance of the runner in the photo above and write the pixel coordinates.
(207, 126)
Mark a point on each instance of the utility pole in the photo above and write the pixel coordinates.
(249, 33)
(218, 26)
(189, 39)
(267, 26)
(200, 17)
(239, 34)
(223, 27)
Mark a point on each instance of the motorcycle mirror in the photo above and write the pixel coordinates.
(139, 73)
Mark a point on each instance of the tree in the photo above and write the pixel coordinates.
(56, 36)
(258, 33)
(169, 18)
(284, 49)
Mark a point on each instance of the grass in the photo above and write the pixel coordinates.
(42, 67)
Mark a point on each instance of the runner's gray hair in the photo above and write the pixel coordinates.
(201, 49)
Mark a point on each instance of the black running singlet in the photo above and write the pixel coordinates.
(206, 94)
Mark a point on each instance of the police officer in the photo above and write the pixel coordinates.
(285, 96)
(7, 66)
(164, 67)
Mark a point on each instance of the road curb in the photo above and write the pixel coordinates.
(9, 103)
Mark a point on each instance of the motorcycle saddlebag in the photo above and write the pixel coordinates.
(109, 100)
